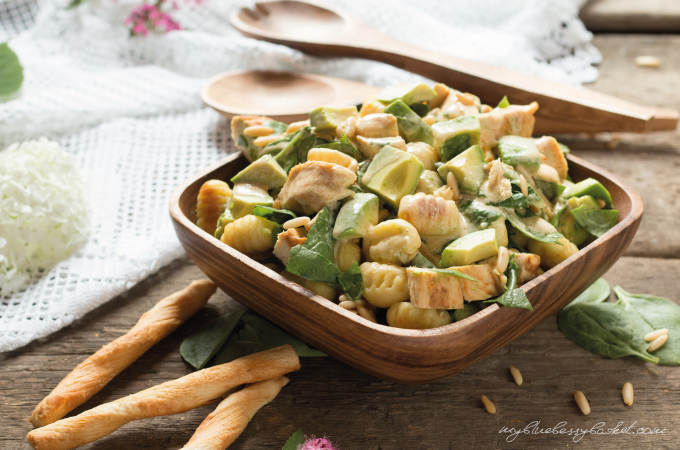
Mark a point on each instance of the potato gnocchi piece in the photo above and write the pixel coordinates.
(384, 284)
(285, 243)
(391, 242)
(333, 157)
(409, 316)
(430, 215)
(377, 126)
(345, 253)
(552, 254)
(318, 287)
(249, 234)
(213, 199)
(424, 152)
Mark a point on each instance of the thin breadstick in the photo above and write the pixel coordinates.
(224, 425)
(172, 397)
(90, 376)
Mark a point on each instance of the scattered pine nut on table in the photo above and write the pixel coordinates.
(490, 407)
(582, 402)
(628, 394)
(517, 375)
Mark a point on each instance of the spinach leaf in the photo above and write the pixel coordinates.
(297, 149)
(504, 103)
(278, 127)
(361, 170)
(352, 282)
(455, 146)
(258, 334)
(456, 273)
(297, 439)
(198, 348)
(550, 189)
(11, 71)
(518, 200)
(564, 149)
(513, 297)
(345, 146)
(422, 262)
(479, 213)
(356, 189)
(598, 221)
(597, 292)
(276, 147)
(605, 329)
(314, 260)
(655, 313)
(528, 227)
(279, 216)
(420, 108)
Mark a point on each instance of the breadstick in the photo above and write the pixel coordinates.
(224, 425)
(172, 397)
(90, 376)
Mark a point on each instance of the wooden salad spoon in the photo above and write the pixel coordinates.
(284, 96)
(324, 31)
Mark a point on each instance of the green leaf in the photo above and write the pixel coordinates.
(278, 127)
(606, 329)
(479, 213)
(550, 189)
(11, 72)
(361, 170)
(526, 227)
(352, 282)
(518, 200)
(455, 146)
(198, 348)
(456, 273)
(504, 103)
(596, 221)
(258, 334)
(297, 439)
(422, 262)
(343, 145)
(564, 149)
(597, 292)
(655, 313)
(420, 108)
(279, 216)
(297, 149)
(513, 297)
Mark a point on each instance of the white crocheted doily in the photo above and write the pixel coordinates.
(129, 110)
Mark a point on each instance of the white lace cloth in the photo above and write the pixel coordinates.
(129, 111)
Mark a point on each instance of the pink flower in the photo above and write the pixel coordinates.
(147, 18)
(312, 443)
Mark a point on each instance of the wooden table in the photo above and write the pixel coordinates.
(360, 412)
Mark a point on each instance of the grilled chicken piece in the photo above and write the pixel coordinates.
(377, 126)
(285, 243)
(551, 154)
(313, 185)
(514, 120)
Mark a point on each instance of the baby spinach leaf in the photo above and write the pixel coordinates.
(11, 71)
(279, 216)
(597, 292)
(352, 282)
(297, 439)
(356, 189)
(504, 103)
(198, 348)
(550, 189)
(598, 221)
(655, 313)
(513, 297)
(258, 334)
(297, 149)
(518, 200)
(455, 146)
(345, 146)
(420, 108)
(278, 127)
(564, 149)
(478, 213)
(422, 262)
(361, 170)
(605, 329)
(526, 228)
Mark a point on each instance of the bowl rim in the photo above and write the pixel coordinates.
(178, 215)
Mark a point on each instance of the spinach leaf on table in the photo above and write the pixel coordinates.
(597, 222)
(258, 334)
(513, 297)
(597, 292)
(11, 71)
(198, 348)
(352, 282)
(297, 439)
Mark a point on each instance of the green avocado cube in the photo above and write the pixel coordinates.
(246, 197)
(471, 248)
(455, 136)
(468, 168)
(356, 217)
(589, 187)
(392, 175)
(325, 118)
(519, 151)
(566, 223)
(407, 93)
(263, 171)
(411, 126)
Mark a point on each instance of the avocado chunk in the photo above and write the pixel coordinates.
(429, 182)
(455, 136)
(589, 187)
(407, 93)
(370, 147)
(325, 118)
(566, 223)
(519, 151)
(468, 168)
(263, 171)
(411, 126)
(468, 310)
(224, 220)
(471, 248)
(392, 174)
(246, 197)
(356, 217)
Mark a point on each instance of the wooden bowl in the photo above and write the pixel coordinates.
(394, 354)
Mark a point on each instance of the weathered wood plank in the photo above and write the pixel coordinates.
(630, 16)
(327, 397)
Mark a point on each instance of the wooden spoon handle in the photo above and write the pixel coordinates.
(563, 108)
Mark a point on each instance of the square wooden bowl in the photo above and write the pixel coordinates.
(394, 354)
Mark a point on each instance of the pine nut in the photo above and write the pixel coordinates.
(517, 375)
(452, 182)
(601, 203)
(503, 260)
(343, 298)
(627, 394)
(649, 337)
(366, 314)
(444, 192)
(535, 209)
(658, 342)
(504, 280)
(582, 402)
(309, 224)
(297, 222)
(361, 302)
(348, 304)
(353, 311)
(276, 204)
(647, 61)
(523, 186)
(430, 120)
(263, 141)
(353, 166)
(490, 407)
(258, 131)
(295, 126)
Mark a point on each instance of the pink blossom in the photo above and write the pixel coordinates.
(313, 443)
(146, 18)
